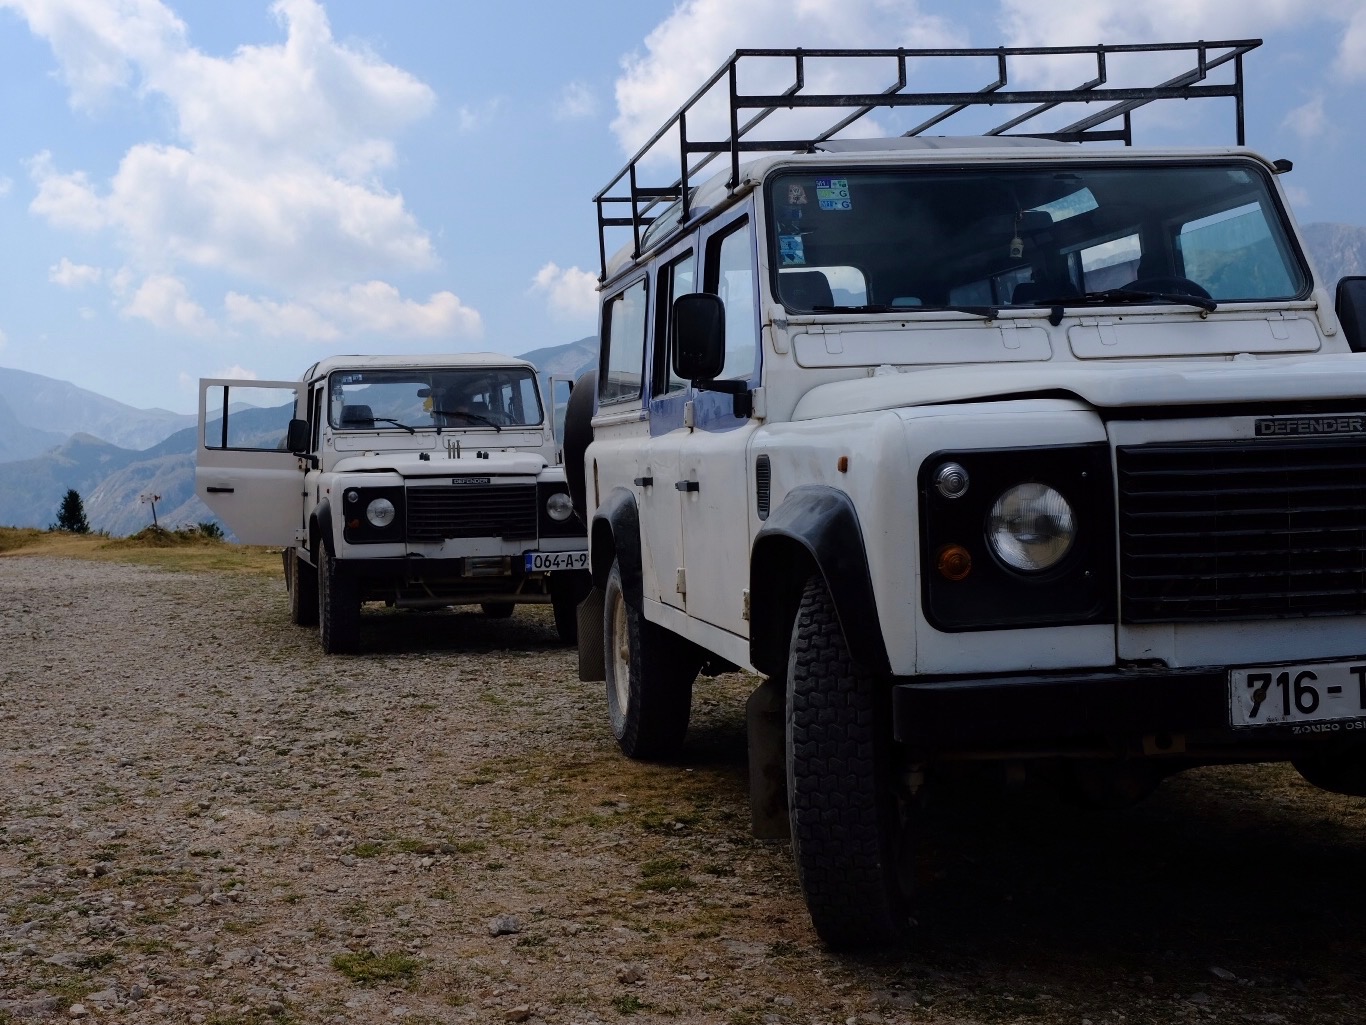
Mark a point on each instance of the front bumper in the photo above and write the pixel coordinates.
(1153, 711)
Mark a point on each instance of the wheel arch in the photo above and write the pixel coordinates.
(614, 534)
(815, 530)
(320, 531)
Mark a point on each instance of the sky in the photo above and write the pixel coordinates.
(196, 188)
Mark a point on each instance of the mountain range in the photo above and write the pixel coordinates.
(55, 436)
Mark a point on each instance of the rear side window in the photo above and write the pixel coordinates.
(623, 344)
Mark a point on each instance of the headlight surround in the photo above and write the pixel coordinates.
(380, 512)
(1031, 527)
(559, 506)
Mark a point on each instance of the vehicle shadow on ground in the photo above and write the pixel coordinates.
(1242, 869)
(464, 630)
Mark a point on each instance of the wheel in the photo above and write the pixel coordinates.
(497, 609)
(650, 672)
(1339, 771)
(338, 607)
(302, 581)
(847, 834)
(567, 590)
(578, 435)
(1168, 283)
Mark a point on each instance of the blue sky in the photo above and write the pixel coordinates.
(199, 188)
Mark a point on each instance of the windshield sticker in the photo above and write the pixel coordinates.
(833, 194)
(791, 251)
(796, 195)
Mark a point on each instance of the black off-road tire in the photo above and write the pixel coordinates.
(302, 580)
(650, 673)
(848, 838)
(338, 607)
(578, 435)
(498, 609)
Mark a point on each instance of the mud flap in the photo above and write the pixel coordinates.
(592, 663)
(766, 722)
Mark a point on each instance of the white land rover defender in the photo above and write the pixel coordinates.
(1028, 450)
(417, 481)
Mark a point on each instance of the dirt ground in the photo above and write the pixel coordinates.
(203, 819)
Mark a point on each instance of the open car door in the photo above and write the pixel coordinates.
(244, 471)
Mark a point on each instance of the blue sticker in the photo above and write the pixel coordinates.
(791, 250)
(833, 194)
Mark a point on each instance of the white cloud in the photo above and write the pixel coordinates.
(6, 184)
(73, 275)
(273, 172)
(472, 119)
(236, 373)
(1308, 121)
(576, 101)
(688, 46)
(372, 308)
(165, 302)
(571, 293)
(1351, 61)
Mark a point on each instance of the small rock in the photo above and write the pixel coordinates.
(629, 974)
(77, 1011)
(504, 925)
(306, 866)
(520, 1013)
(1223, 973)
(1198, 998)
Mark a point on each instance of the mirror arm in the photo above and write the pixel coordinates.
(743, 404)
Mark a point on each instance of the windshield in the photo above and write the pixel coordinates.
(880, 240)
(488, 399)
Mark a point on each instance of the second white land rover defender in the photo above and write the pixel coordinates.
(1044, 451)
(416, 481)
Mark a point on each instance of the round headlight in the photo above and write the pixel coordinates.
(951, 480)
(1031, 527)
(560, 506)
(380, 512)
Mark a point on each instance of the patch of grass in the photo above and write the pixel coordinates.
(367, 968)
(659, 875)
(368, 849)
(629, 1003)
(178, 550)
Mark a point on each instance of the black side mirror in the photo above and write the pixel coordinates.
(297, 437)
(699, 336)
(1351, 311)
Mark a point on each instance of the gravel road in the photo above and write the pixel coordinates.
(203, 819)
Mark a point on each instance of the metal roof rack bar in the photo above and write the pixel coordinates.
(625, 187)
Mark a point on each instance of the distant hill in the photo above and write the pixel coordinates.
(57, 407)
(1338, 250)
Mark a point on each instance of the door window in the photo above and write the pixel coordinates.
(678, 277)
(623, 336)
(730, 274)
(245, 417)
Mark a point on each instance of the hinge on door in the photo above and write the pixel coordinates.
(681, 581)
(689, 414)
(745, 614)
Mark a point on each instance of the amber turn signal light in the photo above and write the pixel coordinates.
(954, 562)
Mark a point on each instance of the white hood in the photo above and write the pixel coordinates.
(498, 464)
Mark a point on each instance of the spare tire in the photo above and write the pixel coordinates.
(578, 434)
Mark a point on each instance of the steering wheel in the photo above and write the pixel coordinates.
(1171, 283)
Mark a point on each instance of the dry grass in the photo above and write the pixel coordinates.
(186, 551)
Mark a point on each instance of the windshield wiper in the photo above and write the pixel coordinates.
(987, 312)
(1123, 296)
(391, 420)
(476, 417)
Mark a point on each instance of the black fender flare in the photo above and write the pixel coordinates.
(615, 534)
(814, 530)
(320, 530)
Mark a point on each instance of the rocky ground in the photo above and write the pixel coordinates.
(203, 819)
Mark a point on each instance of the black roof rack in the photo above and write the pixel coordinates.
(694, 155)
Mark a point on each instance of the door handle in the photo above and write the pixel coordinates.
(219, 491)
(687, 485)
(644, 482)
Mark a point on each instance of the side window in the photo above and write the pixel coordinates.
(730, 274)
(244, 417)
(623, 338)
(678, 277)
(316, 416)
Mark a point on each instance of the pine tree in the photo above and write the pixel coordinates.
(72, 514)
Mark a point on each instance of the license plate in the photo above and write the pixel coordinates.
(540, 562)
(1311, 698)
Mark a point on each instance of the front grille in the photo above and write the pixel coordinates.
(1242, 530)
(496, 510)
